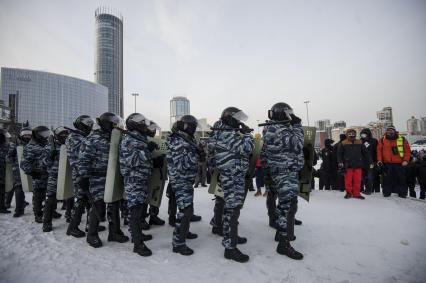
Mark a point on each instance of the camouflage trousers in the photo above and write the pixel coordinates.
(136, 189)
(234, 195)
(184, 193)
(97, 187)
(286, 185)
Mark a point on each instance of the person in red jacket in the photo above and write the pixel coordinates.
(393, 155)
(352, 155)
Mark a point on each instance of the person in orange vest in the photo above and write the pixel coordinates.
(393, 155)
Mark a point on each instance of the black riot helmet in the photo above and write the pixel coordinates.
(25, 134)
(61, 134)
(3, 135)
(40, 134)
(108, 121)
(138, 122)
(84, 123)
(233, 117)
(187, 124)
(280, 112)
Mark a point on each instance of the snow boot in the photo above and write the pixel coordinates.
(359, 197)
(284, 248)
(348, 195)
(56, 215)
(18, 214)
(217, 230)
(183, 250)
(47, 227)
(236, 255)
(38, 218)
(75, 232)
(241, 240)
(137, 237)
(297, 222)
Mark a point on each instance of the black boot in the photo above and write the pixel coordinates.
(217, 220)
(297, 222)
(271, 205)
(413, 193)
(69, 203)
(241, 240)
(183, 250)
(92, 235)
(155, 220)
(49, 207)
(145, 225)
(172, 221)
(135, 226)
(217, 230)
(191, 235)
(79, 208)
(277, 237)
(195, 218)
(115, 233)
(236, 254)
(284, 248)
(56, 215)
(291, 218)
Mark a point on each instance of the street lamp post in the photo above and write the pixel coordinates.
(307, 110)
(135, 95)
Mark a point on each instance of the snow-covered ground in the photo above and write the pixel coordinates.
(376, 240)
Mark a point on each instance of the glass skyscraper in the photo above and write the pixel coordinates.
(179, 106)
(49, 99)
(109, 56)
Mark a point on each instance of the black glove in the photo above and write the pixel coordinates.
(152, 146)
(245, 129)
(158, 162)
(53, 154)
(35, 175)
(84, 184)
(294, 119)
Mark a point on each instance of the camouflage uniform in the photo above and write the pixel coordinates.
(136, 167)
(50, 160)
(282, 158)
(182, 162)
(32, 165)
(73, 144)
(93, 164)
(12, 158)
(229, 152)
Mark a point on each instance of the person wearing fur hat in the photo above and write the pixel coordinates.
(352, 155)
(328, 171)
(393, 155)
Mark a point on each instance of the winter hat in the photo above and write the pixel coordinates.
(391, 127)
(350, 130)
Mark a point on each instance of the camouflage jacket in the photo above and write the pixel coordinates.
(50, 161)
(73, 144)
(94, 154)
(3, 152)
(282, 149)
(32, 163)
(182, 158)
(135, 158)
(228, 149)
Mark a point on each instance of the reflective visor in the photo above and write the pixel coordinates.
(138, 118)
(45, 134)
(153, 127)
(59, 130)
(88, 121)
(8, 136)
(117, 121)
(240, 116)
(25, 133)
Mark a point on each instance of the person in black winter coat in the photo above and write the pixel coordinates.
(370, 176)
(328, 170)
(421, 173)
(339, 181)
(411, 176)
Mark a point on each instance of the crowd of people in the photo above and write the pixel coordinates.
(228, 150)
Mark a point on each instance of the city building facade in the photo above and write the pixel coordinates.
(49, 99)
(179, 106)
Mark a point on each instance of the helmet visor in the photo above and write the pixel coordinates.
(117, 122)
(240, 116)
(153, 127)
(88, 121)
(139, 118)
(45, 134)
(25, 133)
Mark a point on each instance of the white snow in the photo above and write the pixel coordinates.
(376, 240)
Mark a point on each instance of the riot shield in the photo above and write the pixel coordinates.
(159, 175)
(8, 182)
(26, 180)
(215, 188)
(114, 190)
(305, 177)
(64, 189)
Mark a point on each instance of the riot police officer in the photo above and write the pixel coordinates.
(4, 147)
(50, 160)
(136, 168)
(92, 168)
(282, 158)
(230, 145)
(182, 162)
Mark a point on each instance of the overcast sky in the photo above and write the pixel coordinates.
(349, 58)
